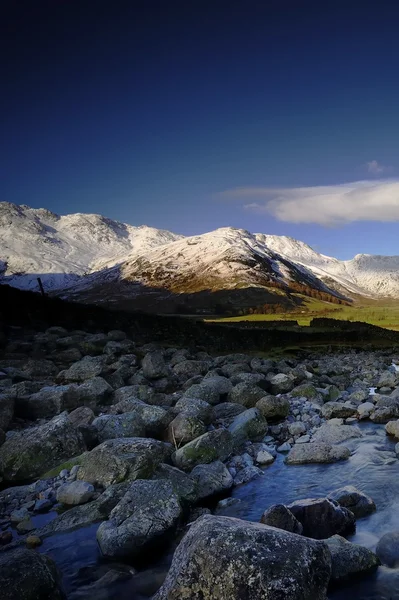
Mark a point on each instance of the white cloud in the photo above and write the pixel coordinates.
(375, 168)
(325, 205)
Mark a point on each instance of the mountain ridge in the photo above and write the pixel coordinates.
(76, 251)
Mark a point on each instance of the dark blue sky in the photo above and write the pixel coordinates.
(146, 111)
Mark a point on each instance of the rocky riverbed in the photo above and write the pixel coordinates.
(150, 471)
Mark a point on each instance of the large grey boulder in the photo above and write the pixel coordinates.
(387, 379)
(185, 427)
(338, 410)
(154, 366)
(124, 459)
(335, 434)
(319, 452)
(387, 549)
(93, 393)
(147, 514)
(222, 558)
(6, 410)
(356, 501)
(48, 402)
(281, 517)
(127, 425)
(321, 517)
(273, 407)
(213, 445)
(75, 492)
(28, 575)
(392, 429)
(246, 394)
(154, 418)
(249, 425)
(189, 368)
(350, 560)
(184, 485)
(204, 391)
(281, 383)
(212, 479)
(226, 412)
(32, 452)
(203, 410)
(221, 384)
(86, 368)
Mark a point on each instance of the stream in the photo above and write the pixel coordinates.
(372, 468)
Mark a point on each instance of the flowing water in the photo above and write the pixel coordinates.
(371, 468)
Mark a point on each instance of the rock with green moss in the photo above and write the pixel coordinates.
(127, 425)
(123, 459)
(29, 453)
(211, 446)
(305, 390)
(246, 394)
(145, 517)
(185, 427)
(273, 407)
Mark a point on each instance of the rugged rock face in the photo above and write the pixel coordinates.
(146, 515)
(222, 558)
(27, 575)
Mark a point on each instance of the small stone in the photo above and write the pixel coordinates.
(264, 458)
(74, 493)
(286, 447)
(5, 538)
(25, 525)
(33, 541)
(304, 439)
(43, 505)
(64, 473)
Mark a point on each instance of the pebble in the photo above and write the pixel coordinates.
(33, 541)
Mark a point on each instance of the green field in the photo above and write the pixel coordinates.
(381, 313)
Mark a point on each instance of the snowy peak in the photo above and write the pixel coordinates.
(63, 248)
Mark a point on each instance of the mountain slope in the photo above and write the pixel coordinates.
(61, 249)
(365, 274)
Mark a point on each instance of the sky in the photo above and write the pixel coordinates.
(277, 116)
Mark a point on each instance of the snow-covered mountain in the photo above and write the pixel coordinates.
(62, 249)
(81, 252)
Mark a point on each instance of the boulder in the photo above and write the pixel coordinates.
(321, 517)
(319, 452)
(184, 485)
(335, 434)
(281, 383)
(124, 459)
(247, 474)
(32, 452)
(273, 407)
(226, 412)
(281, 517)
(222, 384)
(225, 558)
(349, 560)
(249, 425)
(189, 368)
(154, 366)
(211, 446)
(356, 501)
(387, 549)
(305, 390)
(154, 418)
(75, 492)
(48, 402)
(6, 410)
(204, 391)
(93, 393)
(81, 416)
(392, 428)
(332, 410)
(185, 427)
(387, 379)
(246, 394)
(86, 368)
(111, 427)
(211, 479)
(145, 517)
(203, 410)
(28, 575)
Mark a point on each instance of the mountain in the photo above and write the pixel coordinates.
(365, 274)
(93, 258)
(62, 249)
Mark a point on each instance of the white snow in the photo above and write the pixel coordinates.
(63, 249)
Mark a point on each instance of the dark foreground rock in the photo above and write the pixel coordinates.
(388, 549)
(321, 518)
(349, 560)
(27, 575)
(221, 558)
